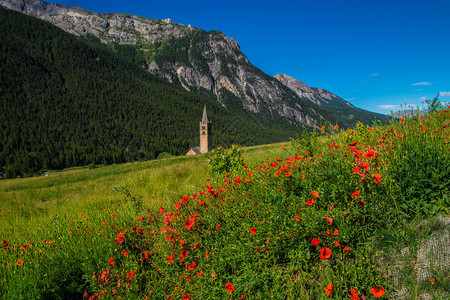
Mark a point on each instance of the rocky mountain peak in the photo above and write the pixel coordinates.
(316, 95)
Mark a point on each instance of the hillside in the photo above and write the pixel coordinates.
(67, 102)
(186, 56)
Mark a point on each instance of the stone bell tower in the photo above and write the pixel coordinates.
(205, 133)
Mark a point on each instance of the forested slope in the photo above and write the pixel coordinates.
(67, 102)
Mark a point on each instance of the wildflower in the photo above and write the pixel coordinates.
(189, 223)
(120, 238)
(197, 244)
(171, 261)
(402, 120)
(336, 243)
(336, 232)
(186, 297)
(230, 287)
(315, 242)
(325, 253)
(377, 291)
(376, 178)
(354, 295)
(323, 128)
(297, 218)
(310, 202)
(111, 261)
(329, 289)
(124, 253)
(131, 274)
(336, 127)
(253, 231)
(329, 220)
(113, 215)
(315, 194)
(431, 279)
(19, 262)
(355, 194)
(218, 227)
(346, 249)
(243, 296)
(183, 254)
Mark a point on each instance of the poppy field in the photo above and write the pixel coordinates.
(317, 220)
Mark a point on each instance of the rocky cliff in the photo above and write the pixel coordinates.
(317, 95)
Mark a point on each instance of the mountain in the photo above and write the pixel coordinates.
(345, 112)
(184, 55)
(69, 102)
(316, 95)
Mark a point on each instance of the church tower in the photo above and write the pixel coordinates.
(205, 133)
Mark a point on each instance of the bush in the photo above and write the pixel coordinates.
(226, 160)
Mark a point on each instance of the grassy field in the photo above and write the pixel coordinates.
(360, 214)
(28, 202)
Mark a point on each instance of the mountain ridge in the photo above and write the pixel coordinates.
(184, 55)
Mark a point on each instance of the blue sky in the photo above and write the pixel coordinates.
(377, 54)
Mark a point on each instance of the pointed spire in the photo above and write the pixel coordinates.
(205, 116)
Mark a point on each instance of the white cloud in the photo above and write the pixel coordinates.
(418, 90)
(389, 107)
(374, 74)
(444, 94)
(350, 99)
(423, 98)
(422, 83)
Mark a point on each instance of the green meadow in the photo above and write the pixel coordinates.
(355, 214)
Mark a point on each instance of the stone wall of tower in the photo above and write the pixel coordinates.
(205, 137)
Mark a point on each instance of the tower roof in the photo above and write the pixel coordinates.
(205, 116)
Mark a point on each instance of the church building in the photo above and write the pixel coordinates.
(205, 136)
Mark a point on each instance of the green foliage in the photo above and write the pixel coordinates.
(434, 105)
(224, 161)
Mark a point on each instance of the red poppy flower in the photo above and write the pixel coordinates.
(354, 295)
(243, 296)
(19, 262)
(186, 297)
(336, 127)
(171, 261)
(297, 218)
(431, 279)
(346, 249)
(377, 291)
(197, 244)
(376, 178)
(218, 227)
(355, 194)
(189, 223)
(124, 253)
(336, 243)
(329, 220)
(310, 202)
(315, 194)
(253, 231)
(111, 261)
(120, 238)
(329, 289)
(336, 232)
(183, 254)
(315, 242)
(325, 253)
(322, 128)
(230, 287)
